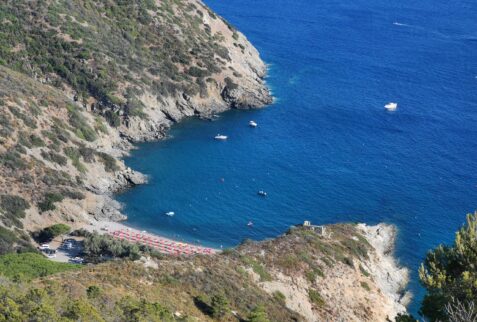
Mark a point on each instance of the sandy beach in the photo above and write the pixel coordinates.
(162, 244)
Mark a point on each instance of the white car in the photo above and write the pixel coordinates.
(44, 246)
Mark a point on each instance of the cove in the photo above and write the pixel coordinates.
(327, 150)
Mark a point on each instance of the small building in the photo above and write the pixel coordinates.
(320, 230)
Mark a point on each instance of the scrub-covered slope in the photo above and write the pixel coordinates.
(301, 276)
(82, 79)
(130, 60)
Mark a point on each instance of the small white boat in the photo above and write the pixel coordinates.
(252, 124)
(170, 213)
(221, 137)
(391, 106)
(262, 193)
(250, 224)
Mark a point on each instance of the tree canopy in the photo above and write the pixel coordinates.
(449, 274)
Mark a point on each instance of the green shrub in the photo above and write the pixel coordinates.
(80, 125)
(13, 209)
(72, 194)
(74, 154)
(348, 261)
(87, 154)
(365, 286)
(100, 126)
(93, 291)
(50, 233)
(13, 206)
(315, 298)
(49, 201)
(109, 162)
(363, 271)
(11, 242)
(12, 160)
(54, 157)
(112, 118)
(279, 296)
(258, 314)
(257, 268)
(36, 141)
(219, 306)
(142, 310)
(312, 274)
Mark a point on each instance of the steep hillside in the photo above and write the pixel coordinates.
(301, 276)
(81, 80)
(140, 61)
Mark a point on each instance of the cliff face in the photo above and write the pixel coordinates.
(82, 80)
(300, 276)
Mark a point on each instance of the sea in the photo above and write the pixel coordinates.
(327, 150)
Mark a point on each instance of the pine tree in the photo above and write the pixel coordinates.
(449, 273)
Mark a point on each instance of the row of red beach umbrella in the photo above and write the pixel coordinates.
(162, 245)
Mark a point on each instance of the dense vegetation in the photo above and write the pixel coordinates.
(449, 273)
(27, 266)
(100, 247)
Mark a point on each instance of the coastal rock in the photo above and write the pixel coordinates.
(389, 275)
(129, 177)
(107, 209)
(240, 98)
(122, 179)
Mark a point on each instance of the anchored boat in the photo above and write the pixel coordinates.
(221, 137)
(391, 106)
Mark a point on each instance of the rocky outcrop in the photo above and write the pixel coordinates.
(108, 209)
(391, 278)
(347, 273)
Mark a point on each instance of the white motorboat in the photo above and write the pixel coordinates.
(170, 213)
(252, 124)
(391, 106)
(250, 224)
(221, 137)
(262, 193)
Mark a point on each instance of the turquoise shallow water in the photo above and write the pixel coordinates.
(327, 151)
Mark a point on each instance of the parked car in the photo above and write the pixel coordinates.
(50, 253)
(44, 246)
(77, 260)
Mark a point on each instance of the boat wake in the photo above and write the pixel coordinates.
(400, 24)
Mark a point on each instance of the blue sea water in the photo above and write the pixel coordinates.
(326, 150)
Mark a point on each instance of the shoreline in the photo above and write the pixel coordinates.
(391, 277)
(162, 244)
